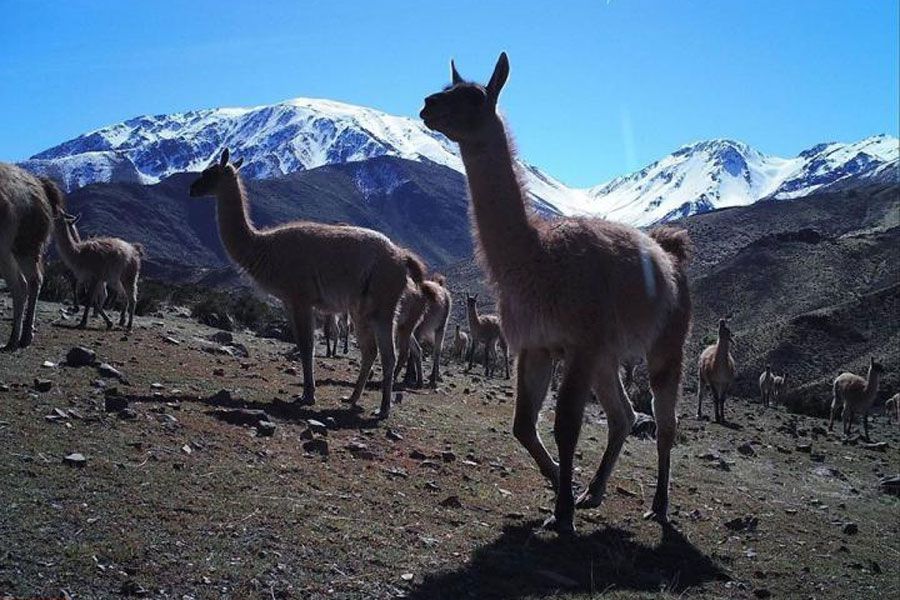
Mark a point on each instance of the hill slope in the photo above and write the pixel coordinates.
(419, 205)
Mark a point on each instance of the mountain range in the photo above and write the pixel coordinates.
(302, 134)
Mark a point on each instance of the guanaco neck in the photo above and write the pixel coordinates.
(472, 313)
(872, 382)
(238, 234)
(722, 350)
(69, 247)
(503, 230)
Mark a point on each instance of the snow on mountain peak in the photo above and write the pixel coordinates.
(277, 139)
(716, 173)
(303, 133)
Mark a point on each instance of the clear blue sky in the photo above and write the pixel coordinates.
(597, 88)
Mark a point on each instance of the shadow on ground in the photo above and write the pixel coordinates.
(344, 418)
(522, 564)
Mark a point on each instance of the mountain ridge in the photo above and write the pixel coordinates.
(304, 133)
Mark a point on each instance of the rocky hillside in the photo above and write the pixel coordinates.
(419, 205)
(812, 286)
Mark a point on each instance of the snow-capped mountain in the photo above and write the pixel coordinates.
(273, 140)
(303, 133)
(719, 173)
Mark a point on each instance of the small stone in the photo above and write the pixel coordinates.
(890, 485)
(219, 372)
(222, 337)
(625, 492)
(448, 456)
(128, 414)
(79, 356)
(187, 449)
(393, 435)
(317, 427)
(172, 341)
(746, 449)
(75, 459)
(360, 450)
(748, 523)
(265, 428)
(43, 385)
(107, 370)
(242, 416)
(850, 529)
(114, 403)
(451, 502)
(805, 448)
(48, 364)
(316, 446)
(221, 397)
(407, 577)
(417, 455)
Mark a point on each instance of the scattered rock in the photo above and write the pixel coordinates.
(317, 427)
(393, 435)
(747, 523)
(242, 416)
(222, 337)
(805, 448)
(43, 385)
(890, 485)
(448, 456)
(114, 403)
(219, 372)
(75, 459)
(107, 370)
(746, 449)
(57, 414)
(79, 356)
(132, 588)
(48, 364)
(316, 446)
(360, 450)
(128, 414)
(877, 446)
(265, 428)
(625, 492)
(850, 529)
(451, 502)
(417, 455)
(172, 341)
(221, 397)
(187, 449)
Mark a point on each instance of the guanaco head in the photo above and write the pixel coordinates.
(876, 367)
(471, 302)
(724, 331)
(208, 182)
(464, 110)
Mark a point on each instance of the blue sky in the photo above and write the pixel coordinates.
(596, 89)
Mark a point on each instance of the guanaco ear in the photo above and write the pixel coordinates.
(224, 160)
(454, 74)
(498, 79)
(237, 164)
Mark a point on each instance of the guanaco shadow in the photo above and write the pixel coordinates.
(520, 564)
(345, 417)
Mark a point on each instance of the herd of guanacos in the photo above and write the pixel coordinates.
(576, 297)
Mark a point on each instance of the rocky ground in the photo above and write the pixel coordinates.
(139, 474)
